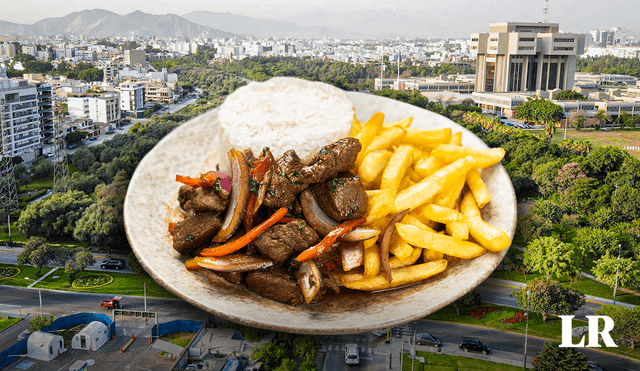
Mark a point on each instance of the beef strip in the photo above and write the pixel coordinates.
(184, 195)
(233, 277)
(342, 198)
(206, 199)
(332, 159)
(194, 231)
(276, 284)
(285, 184)
(281, 241)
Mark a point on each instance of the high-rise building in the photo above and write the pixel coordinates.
(7, 50)
(132, 102)
(20, 117)
(135, 57)
(45, 111)
(521, 56)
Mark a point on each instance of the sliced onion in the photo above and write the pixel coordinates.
(309, 279)
(225, 181)
(233, 263)
(323, 224)
(352, 255)
(385, 240)
(239, 195)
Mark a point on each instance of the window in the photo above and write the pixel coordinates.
(474, 39)
(525, 48)
(562, 48)
(526, 39)
(493, 39)
(563, 40)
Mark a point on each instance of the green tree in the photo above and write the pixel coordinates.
(532, 225)
(606, 270)
(85, 182)
(578, 118)
(540, 110)
(569, 95)
(91, 74)
(81, 259)
(627, 324)
(549, 297)
(75, 137)
(38, 253)
(40, 322)
(83, 158)
(553, 258)
(41, 168)
(625, 203)
(549, 210)
(595, 241)
(470, 299)
(54, 216)
(554, 358)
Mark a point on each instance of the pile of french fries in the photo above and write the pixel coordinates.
(432, 175)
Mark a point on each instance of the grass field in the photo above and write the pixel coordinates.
(442, 362)
(6, 322)
(618, 138)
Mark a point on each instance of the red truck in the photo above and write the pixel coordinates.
(112, 303)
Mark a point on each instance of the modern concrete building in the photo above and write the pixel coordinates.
(132, 103)
(7, 50)
(19, 113)
(135, 57)
(46, 111)
(104, 108)
(521, 56)
(422, 84)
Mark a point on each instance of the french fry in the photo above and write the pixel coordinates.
(490, 237)
(458, 230)
(395, 262)
(427, 166)
(379, 204)
(456, 139)
(399, 277)
(441, 243)
(478, 188)
(411, 219)
(386, 139)
(356, 127)
(404, 123)
(439, 214)
(411, 174)
(397, 168)
(399, 247)
(448, 198)
(426, 190)
(372, 261)
(427, 138)
(373, 165)
(484, 157)
(367, 134)
(430, 255)
(405, 183)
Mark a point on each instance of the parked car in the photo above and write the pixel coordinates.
(24, 334)
(196, 365)
(113, 264)
(71, 146)
(351, 354)
(594, 366)
(474, 345)
(113, 303)
(93, 139)
(428, 339)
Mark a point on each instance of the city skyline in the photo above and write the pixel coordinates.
(375, 19)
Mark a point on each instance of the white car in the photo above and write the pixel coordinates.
(351, 354)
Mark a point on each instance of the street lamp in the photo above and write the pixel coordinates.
(526, 332)
(615, 288)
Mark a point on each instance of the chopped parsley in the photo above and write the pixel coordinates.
(216, 186)
(296, 173)
(271, 191)
(302, 225)
(286, 177)
(253, 186)
(332, 185)
(180, 197)
(190, 238)
(325, 151)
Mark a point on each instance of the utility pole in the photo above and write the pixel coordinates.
(60, 163)
(40, 296)
(545, 11)
(526, 332)
(381, 64)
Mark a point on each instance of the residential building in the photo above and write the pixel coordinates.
(521, 56)
(132, 103)
(423, 84)
(44, 55)
(135, 57)
(66, 53)
(89, 56)
(20, 118)
(158, 92)
(31, 50)
(7, 50)
(103, 108)
(46, 111)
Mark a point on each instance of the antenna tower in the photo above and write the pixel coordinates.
(381, 64)
(8, 190)
(545, 11)
(60, 163)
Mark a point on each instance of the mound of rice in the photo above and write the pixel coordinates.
(284, 113)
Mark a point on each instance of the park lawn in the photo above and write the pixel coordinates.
(123, 284)
(15, 235)
(618, 138)
(442, 362)
(181, 338)
(551, 330)
(7, 321)
(21, 279)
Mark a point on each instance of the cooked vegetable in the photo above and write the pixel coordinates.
(260, 172)
(384, 243)
(328, 240)
(241, 242)
(229, 263)
(207, 179)
(239, 195)
(309, 279)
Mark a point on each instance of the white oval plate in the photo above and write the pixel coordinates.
(151, 204)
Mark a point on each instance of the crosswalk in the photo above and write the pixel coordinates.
(340, 348)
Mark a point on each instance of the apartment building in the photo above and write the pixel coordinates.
(66, 53)
(132, 103)
(31, 50)
(104, 108)
(7, 50)
(158, 92)
(135, 57)
(45, 112)
(521, 56)
(20, 117)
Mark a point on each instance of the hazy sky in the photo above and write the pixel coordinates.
(411, 18)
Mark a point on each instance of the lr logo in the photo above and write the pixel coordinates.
(593, 332)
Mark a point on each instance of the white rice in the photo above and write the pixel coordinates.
(284, 113)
